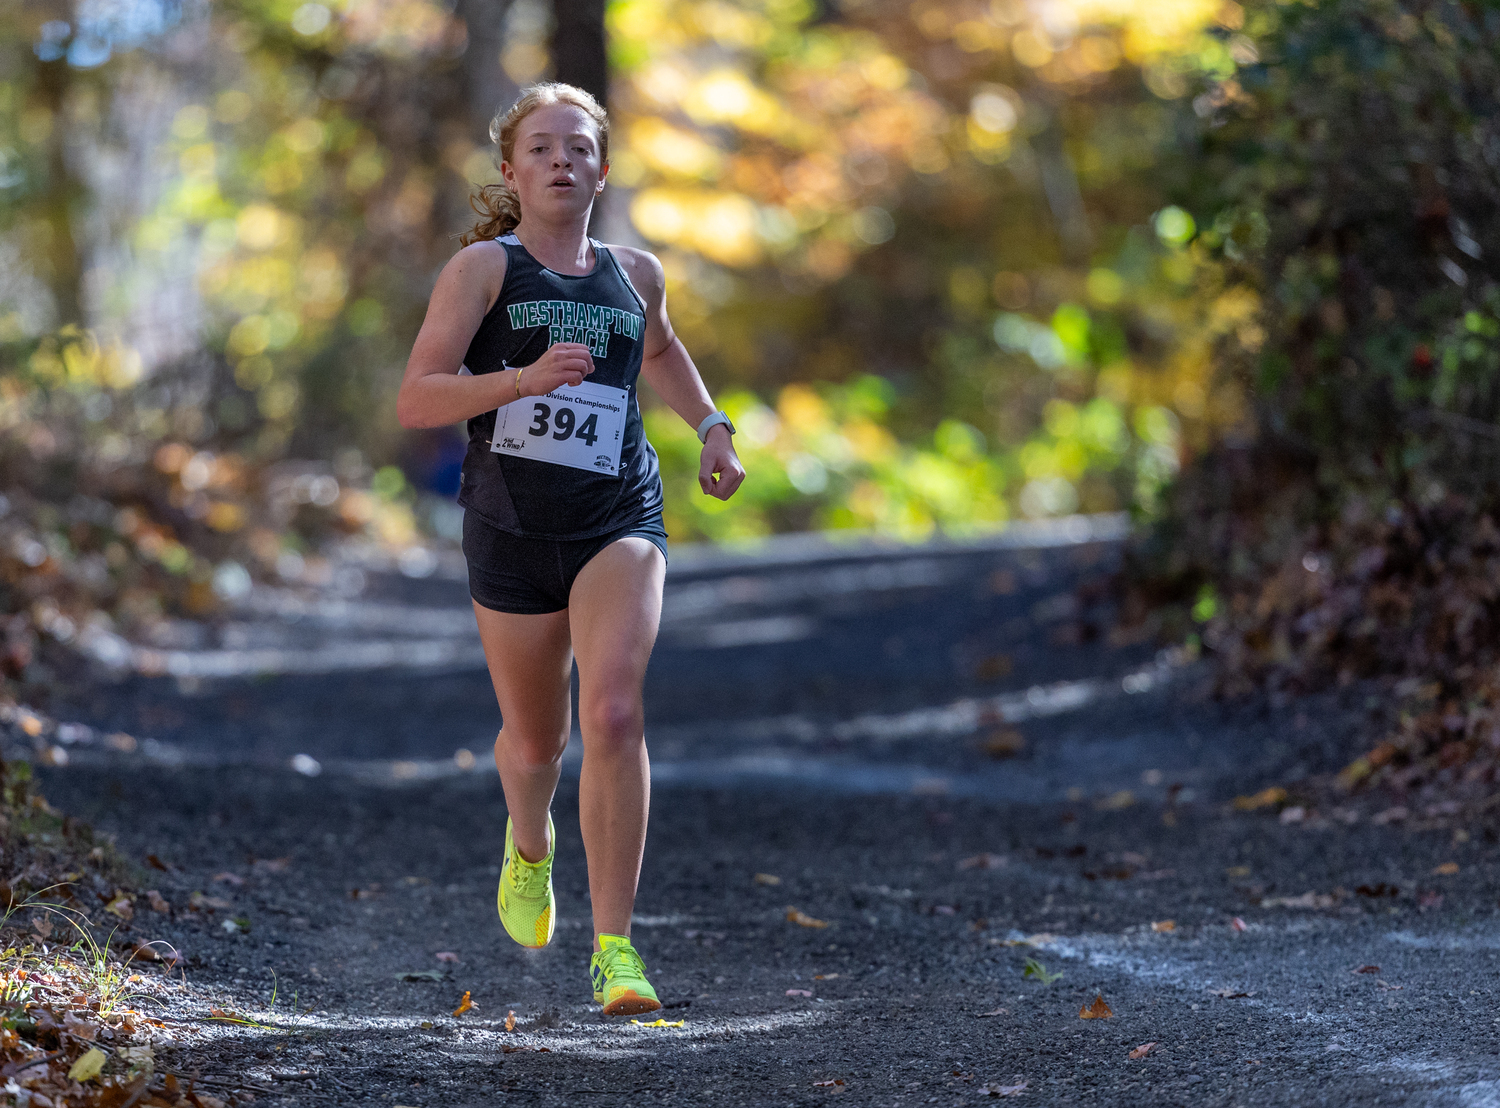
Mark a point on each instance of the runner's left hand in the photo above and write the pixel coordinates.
(720, 471)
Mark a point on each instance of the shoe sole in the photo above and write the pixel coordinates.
(631, 1004)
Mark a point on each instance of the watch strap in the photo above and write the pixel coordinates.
(711, 422)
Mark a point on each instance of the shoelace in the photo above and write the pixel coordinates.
(524, 876)
(626, 954)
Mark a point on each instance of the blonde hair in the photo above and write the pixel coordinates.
(497, 204)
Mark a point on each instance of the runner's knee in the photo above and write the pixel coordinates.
(533, 752)
(613, 719)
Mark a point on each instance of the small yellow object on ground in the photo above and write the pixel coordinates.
(659, 1023)
(88, 1065)
(463, 1005)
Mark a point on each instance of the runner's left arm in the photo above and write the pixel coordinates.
(669, 370)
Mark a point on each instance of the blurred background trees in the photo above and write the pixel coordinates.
(947, 263)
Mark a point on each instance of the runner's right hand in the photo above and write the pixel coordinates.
(564, 363)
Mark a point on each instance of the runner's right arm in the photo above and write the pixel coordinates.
(432, 392)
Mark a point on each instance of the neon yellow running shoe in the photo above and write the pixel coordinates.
(619, 978)
(527, 907)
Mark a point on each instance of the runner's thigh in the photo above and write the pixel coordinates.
(531, 663)
(615, 608)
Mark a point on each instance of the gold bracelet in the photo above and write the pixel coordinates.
(518, 381)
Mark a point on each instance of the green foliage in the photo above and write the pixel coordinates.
(1039, 972)
(1350, 179)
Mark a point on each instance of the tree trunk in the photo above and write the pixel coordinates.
(64, 271)
(578, 52)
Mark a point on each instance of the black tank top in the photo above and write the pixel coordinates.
(535, 309)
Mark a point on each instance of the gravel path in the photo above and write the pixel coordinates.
(1105, 850)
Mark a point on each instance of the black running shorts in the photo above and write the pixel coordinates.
(531, 577)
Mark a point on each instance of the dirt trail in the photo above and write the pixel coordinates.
(938, 871)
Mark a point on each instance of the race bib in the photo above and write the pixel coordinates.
(581, 426)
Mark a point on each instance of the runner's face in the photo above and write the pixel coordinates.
(555, 168)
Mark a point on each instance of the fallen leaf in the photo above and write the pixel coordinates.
(1143, 1050)
(446, 956)
(1447, 869)
(422, 975)
(1096, 1011)
(229, 878)
(1237, 924)
(222, 1014)
(1164, 925)
(158, 902)
(145, 952)
(996, 1012)
(42, 926)
(510, 1017)
(1266, 798)
(802, 919)
(828, 1084)
(80, 1028)
(121, 906)
(767, 879)
(363, 894)
(1388, 986)
(88, 1066)
(824, 976)
(660, 1023)
(984, 861)
(1368, 969)
(1005, 744)
(1230, 994)
(799, 992)
(1002, 1090)
(197, 901)
(463, 1005)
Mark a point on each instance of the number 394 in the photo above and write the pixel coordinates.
(563, 418)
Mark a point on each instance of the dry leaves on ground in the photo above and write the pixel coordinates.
(1096, 1011)
(1002, 1090)
(802, 919)
(1164, 925)
(799, 992)
(1141, 1051)
(463, 1005)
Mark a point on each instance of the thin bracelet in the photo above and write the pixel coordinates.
(518, 381)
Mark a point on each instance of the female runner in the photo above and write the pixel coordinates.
(562, 525)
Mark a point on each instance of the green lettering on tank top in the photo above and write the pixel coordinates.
(517, 313)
